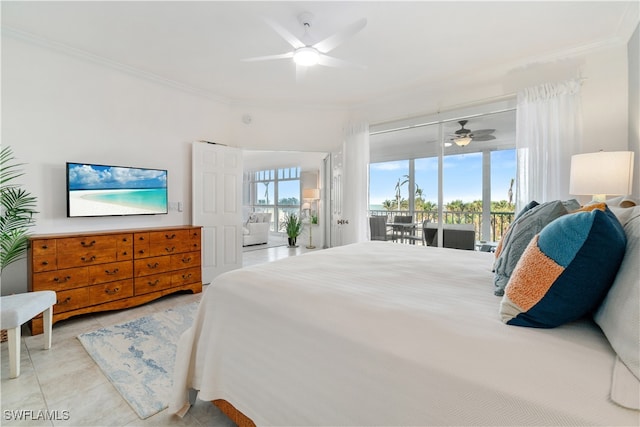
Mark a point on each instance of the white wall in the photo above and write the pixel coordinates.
(604, 94)
(288, 128)
(633, 50)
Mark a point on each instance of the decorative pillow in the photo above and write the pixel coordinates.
(566, 270)
(520, 233)
(252, 218)
(619, 315)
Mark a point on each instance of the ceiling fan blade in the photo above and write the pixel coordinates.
(333, 41)
(285, 34)
(483, 131)
(483, 138)
(330, 61)
(270, 57)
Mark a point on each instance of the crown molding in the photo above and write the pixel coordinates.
(100, 60)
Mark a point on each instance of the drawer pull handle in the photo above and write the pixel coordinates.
(170, 237)
(186, 260)
(186, 276)
(45, 262)
(88, 245)
(45, 247)
(140, 238)
(125, 253)
(141, 251)
(63, 280)
(112, 272)
(153, 265)
(91, 258)
(153, 283)
(171, 249)
(112, 291)
(66, 301)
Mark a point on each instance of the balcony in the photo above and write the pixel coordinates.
(500, 221)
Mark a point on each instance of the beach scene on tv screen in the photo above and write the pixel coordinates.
(96, 190)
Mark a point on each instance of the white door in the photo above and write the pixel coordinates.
(337, 200)
(217, 206)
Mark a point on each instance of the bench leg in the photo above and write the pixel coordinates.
(47, 318)
(13, 338)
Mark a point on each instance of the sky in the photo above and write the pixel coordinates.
(462, 177)
(85, 177)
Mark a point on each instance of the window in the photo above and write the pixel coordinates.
(273, 190)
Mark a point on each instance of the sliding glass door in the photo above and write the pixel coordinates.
(457, 174)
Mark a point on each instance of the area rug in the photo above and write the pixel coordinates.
(138, 356)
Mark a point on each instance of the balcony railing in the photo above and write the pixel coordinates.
(500, 221)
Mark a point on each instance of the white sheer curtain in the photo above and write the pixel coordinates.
(548, 133)
(355, 151)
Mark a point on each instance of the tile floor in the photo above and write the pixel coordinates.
(65, 378)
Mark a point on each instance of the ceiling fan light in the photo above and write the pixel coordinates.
(462, 141)
(306, 56)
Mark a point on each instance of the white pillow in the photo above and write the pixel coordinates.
(619, 314)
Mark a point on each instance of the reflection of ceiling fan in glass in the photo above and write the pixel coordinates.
(462, 137)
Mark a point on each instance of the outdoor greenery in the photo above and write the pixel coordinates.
(399, 203)
(17, 208)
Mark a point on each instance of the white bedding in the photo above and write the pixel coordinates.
(379, 333)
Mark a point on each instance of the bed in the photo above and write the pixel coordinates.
(379, 333)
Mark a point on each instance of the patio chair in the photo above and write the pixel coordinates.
(400, 231)
(378, 228)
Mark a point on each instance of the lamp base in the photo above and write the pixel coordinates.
(310, 247)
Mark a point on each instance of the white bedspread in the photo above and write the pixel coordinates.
(379, 333)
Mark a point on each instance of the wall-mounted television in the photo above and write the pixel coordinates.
(103, 190)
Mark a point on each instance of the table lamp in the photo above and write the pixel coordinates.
(602, 173)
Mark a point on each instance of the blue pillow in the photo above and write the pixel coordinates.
(566, 270)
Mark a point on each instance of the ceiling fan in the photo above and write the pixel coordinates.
(462, 137)
(305, 51)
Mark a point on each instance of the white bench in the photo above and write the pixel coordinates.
(15, 310)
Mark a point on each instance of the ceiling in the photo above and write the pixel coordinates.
(200, 45)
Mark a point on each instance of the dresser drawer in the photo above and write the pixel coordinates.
(71, 300)
(147, 266)
(43, 247)
(82, 258)
(94, 243)
(104, 273)
(184, 277)
(168, 236)
(106, 292)
(46, 262)
(152, 283)
(185, 260)
(61, 280)
(170, 248)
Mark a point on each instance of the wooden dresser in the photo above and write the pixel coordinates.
(111, 270)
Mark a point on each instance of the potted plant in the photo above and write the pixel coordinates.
(293, 226)
(17, 210)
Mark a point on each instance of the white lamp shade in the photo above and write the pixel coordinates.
(462, 141)
(311, 193)
(602, 173)
(306, 206)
